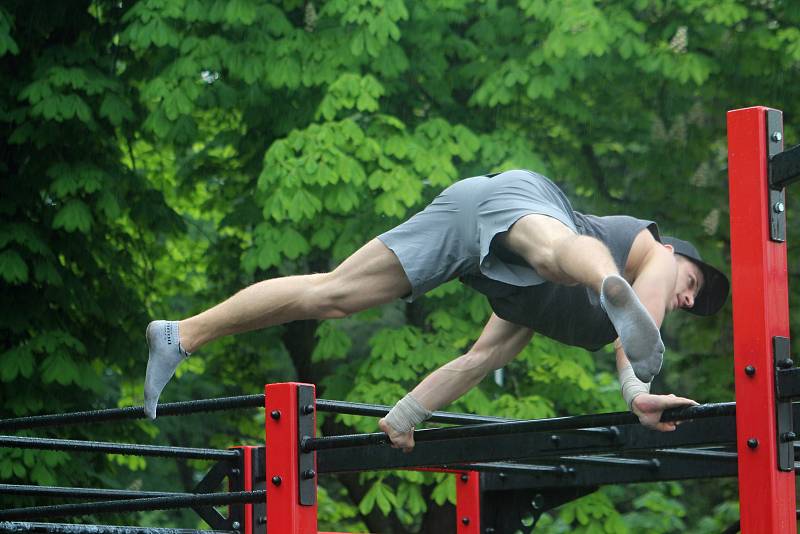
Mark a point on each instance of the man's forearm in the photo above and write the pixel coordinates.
(450, 382)
(438, 389)
(631, 386)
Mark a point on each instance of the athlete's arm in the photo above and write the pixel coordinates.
(655, 273)
(497, 345)
(648, 407)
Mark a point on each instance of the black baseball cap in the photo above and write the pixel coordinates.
(714, 292)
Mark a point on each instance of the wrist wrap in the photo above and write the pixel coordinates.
(407, 414)
(632, 387)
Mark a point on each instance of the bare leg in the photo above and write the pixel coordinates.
(561, 256)
(558, 254)
(371, 276)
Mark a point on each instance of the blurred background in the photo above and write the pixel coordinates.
(158, 155)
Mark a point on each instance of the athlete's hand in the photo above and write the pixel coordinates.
(400, 440)
(648, 408)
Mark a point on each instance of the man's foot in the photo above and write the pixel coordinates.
(166, 353)
(636, 329)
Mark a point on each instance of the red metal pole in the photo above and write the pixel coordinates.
(468, 502)
(247, 526)
(285, 512)
(760, 312)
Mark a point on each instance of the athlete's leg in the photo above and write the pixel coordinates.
(371, 276)
(560, 255)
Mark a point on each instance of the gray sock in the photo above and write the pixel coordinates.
(636, 329)
(166, 353)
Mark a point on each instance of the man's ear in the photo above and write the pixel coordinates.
(669, 247)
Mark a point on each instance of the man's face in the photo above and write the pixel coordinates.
(690, 282)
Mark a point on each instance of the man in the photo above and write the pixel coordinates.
(514, 236)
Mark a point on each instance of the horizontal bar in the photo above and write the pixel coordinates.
(59, 491)
(517, 427)
(530, 447)
(134, 505)
(588, 475)
(132, 412)
(784, 167)
(68, 528)
(722, 455)
(610, 460)
(115, 448)
(380, 410)
(508, 467)
(789, 383)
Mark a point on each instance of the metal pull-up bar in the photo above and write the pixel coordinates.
(308, 443)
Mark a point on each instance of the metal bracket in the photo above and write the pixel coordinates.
(232, 469)
(307, 472)
(788, 383)
(259, 468)
(783, 406)
(777, 199)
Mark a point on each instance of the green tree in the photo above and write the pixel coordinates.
(159, 155)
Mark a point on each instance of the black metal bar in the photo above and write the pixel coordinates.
(115, 448)
(508, 467)
(67, 528)
(784, 167)
(788, 383)
(58, 491)
(212, 480)
(132, 412)
(518, 427)
(698, 453)
(610, 460)
(528, 447)
(133, 505)
(589, 475)
(379, 410)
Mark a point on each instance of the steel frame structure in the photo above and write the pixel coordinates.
(508, 473)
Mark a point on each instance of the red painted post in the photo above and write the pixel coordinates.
(760, 312)
(468, 502)
(285, 513)
(247, 485)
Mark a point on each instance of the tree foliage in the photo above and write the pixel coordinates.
(158, 155)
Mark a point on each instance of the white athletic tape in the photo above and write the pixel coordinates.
(632, 387)
(407, 414)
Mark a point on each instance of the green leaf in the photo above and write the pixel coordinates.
(18, 361)
(13, 268)
(60, 368)
(75, 215)
(333, 344)
(116, 109)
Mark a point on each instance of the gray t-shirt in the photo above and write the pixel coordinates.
(564, 313)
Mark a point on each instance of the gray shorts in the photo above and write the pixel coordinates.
(452, 236)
